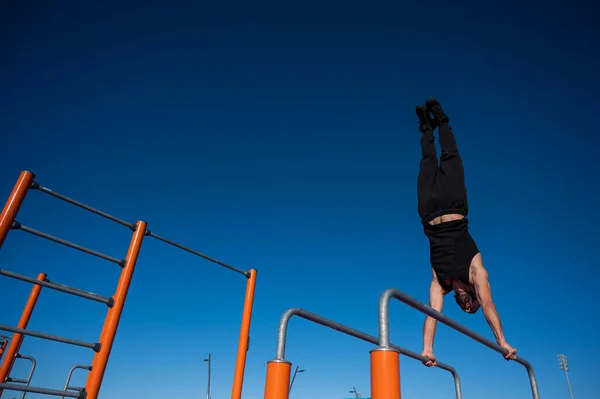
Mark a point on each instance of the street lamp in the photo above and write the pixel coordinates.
(564, 365)
(208, 386)
(294, 377)
(356, 394)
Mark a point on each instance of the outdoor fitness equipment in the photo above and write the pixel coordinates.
(115, 304)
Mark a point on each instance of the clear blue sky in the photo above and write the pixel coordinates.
(284, 138)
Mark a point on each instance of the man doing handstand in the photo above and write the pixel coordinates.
(442, 204)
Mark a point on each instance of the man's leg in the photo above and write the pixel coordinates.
(451, 166)
(428, 167)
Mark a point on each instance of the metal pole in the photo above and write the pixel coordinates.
(282, 339)
(564, 365)
(113, 316)
(208, 385)
(243, 343)
(294, 377)
(17, 339)
(384, 332)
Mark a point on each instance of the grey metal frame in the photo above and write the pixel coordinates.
(67, 387)
(29, 377)
(384, 332)
(282, 336)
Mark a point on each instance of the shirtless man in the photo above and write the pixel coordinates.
(455, 259)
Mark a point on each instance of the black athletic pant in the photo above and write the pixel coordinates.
(441, 189)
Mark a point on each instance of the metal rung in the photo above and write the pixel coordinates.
(75, 388)
(218, 262)
(46, 190)
(60, 287)
(45, 391)
(94, 346)
(17, 380)
(18, 226)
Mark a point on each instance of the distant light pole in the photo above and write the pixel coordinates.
(294, 377)
(208, 386)
(564, 365)
(356, 394)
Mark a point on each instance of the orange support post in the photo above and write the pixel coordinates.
(240, 363)
(17, 339)
(385, 374)
(111, 323)
(3, 344)
(14, 202)
(278, 379)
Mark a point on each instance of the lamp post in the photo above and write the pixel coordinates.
(208, 385)
(564, 365)
(356, 394)
(294, 377)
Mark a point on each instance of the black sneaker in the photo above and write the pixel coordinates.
(435, 108)
(426, 123)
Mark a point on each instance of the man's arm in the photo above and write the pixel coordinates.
(436, 301)
(484, 296)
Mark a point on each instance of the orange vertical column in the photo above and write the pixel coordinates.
(17, 339)
(240, 363)
(385, 374)
(111, 323)
(277, 385)
(14, 202)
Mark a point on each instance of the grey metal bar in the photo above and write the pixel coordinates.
(46, 190)
(19, 226)
(59, 287)
(43, 391)
(384, 332)
(67, 387)
(218, 262)
(315, 318)
(94, 346)
(31, 371)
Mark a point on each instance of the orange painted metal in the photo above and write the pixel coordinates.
(385, 374)
(14, 202)
(111, 323)
(3, 345)
(278, 379)
(240, 363)
(17, 339)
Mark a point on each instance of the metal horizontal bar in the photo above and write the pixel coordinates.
(19, 226)
(218, 262)
(46, 190)
(59, 287)
(70, 388)
(43, 391)
(315, 318)
(94, 346)
(17, 380)
(384, 333)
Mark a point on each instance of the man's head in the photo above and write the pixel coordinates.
(465, 297)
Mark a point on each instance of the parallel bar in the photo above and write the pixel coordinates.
(67, 387)
(17, 339)
(95, 347)
(37, 186)
(113, 316)
(43, 391)
(13, 204)
(240, 363)
(17, 380)
(218, 262)
(59, 287)
(31, 371)
(315, 318)
(19, 226)
(384, 333)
